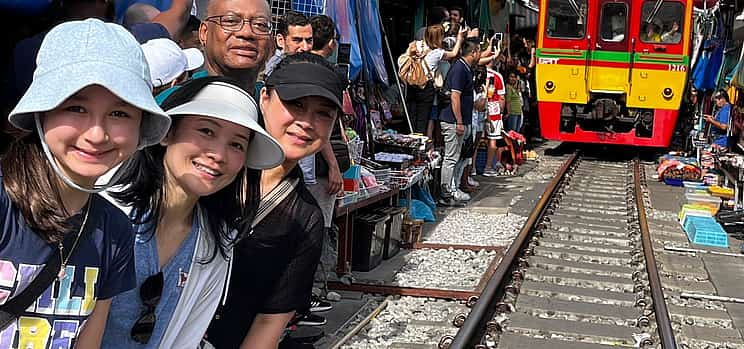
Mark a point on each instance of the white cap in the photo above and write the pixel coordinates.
(168, 61)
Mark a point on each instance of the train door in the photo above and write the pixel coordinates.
(610, 47)
(562, 51)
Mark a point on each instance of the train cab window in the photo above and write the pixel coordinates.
(566, 19)
(614, 22)
(665, 27)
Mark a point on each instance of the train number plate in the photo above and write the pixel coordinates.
(548, 60)
(677, 67)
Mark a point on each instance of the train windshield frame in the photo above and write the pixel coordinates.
(566, 19)
(666, 25)
(614, 22)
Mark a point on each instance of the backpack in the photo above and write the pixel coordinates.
(413, 70)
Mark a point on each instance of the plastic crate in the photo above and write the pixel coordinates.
(709, 234)
(690, 220)
(369, 236)
(393, 230)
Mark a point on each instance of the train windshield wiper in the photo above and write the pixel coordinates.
(655, 11)
(576, 8)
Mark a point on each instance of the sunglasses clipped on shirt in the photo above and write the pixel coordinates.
(150, 293)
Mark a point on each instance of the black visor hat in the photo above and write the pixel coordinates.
(299, 80)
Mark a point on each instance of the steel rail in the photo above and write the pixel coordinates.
(473, 329)
(663, 323)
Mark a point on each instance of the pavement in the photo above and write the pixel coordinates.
(717, 275)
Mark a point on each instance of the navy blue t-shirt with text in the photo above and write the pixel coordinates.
(100, 267)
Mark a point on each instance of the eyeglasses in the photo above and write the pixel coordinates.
(150, 293)
(234, 23)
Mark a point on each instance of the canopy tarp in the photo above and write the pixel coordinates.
(369, 24)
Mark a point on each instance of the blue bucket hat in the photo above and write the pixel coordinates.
(78, 54)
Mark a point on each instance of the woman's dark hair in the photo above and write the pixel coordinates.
(32, 186)
(231, 208)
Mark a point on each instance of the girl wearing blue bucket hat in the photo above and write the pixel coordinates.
(64, 250)
(189, 196)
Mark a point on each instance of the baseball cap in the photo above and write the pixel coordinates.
(297, 80)
(167, 61)
(228, 102)
(78, 54)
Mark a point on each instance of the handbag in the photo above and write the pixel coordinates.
(16, 306)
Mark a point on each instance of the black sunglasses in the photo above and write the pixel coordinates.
(150, 293)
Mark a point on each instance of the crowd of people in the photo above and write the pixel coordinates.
(156, 197)
(467, 99)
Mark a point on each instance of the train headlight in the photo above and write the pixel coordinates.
(549, 86)
(667, 93)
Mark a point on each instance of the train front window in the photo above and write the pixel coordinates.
(665, 27)
(566, 19)
(614, 22)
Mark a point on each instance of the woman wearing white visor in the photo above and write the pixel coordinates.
(64, 251)
(188, 197)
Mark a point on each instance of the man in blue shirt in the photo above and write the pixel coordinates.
(720, 122)
(456, 118)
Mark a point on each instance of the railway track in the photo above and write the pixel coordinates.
(581, 273)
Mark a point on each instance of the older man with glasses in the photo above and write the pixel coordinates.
(236, 35)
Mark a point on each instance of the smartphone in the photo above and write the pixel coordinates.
(343, 70)
(495, 39)
(344, 53)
